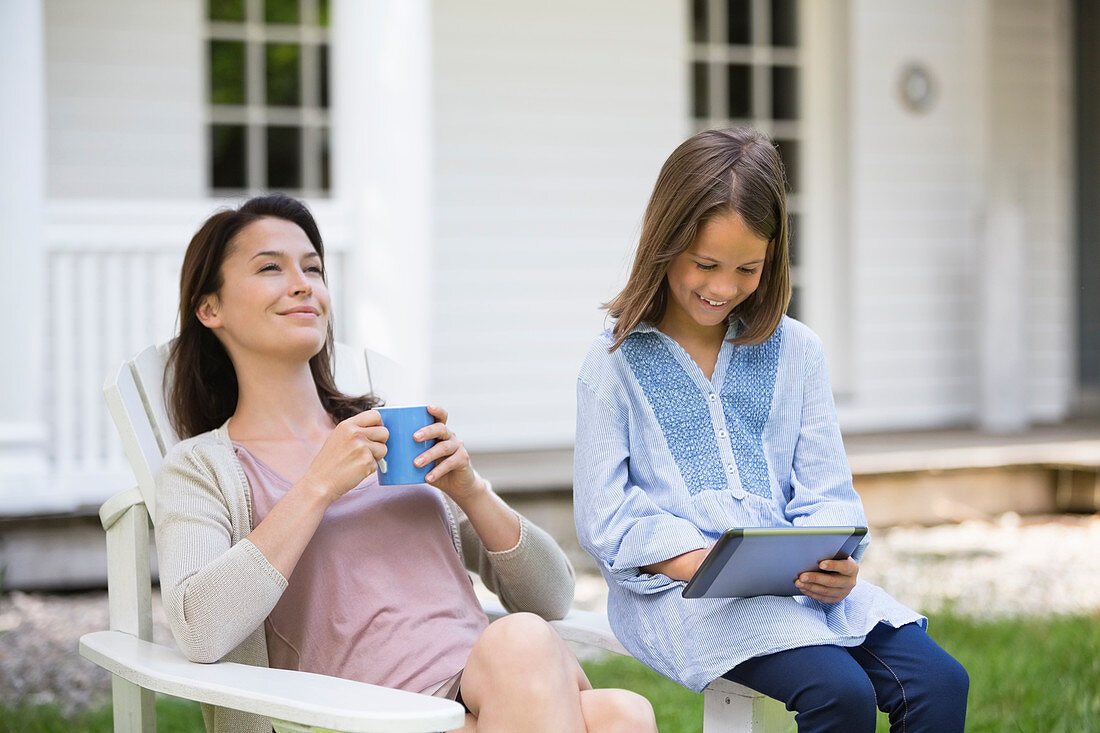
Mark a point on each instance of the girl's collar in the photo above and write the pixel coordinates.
(736, 328)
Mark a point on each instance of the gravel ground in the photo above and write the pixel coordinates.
(1014, 566)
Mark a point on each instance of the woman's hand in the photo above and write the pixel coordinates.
(350, 454)
(833, 584)
(452, 473)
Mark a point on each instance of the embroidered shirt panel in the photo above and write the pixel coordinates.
(681, 411)
(747, 402)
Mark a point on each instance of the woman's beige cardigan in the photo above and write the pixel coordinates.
(218, 588)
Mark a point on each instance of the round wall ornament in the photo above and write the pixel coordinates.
(917, 87)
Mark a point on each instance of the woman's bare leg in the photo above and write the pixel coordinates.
(518, 678)
(617, 711)
(522, 676)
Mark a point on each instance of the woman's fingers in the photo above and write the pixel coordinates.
(365, 419)
(456, 460)
(437, 430)
(438, 413)
(376, 434)
(441, 452)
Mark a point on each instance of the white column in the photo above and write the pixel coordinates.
(382, 163)
(1003, 283)
(22, 191)
(1003, 322)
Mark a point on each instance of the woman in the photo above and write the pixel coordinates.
(276, 543)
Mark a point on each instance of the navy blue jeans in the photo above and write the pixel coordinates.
(833, 688)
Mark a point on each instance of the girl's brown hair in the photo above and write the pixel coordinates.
(712, 173)
(201, 382)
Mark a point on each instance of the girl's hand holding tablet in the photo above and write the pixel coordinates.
(833, 584)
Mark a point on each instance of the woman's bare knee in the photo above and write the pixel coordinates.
(518, 639)
(520, 657)
(615, 711)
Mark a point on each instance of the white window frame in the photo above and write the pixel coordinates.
(821, 276)
(310, 117)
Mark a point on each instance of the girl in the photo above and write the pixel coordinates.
(705, 408)
(278, 546)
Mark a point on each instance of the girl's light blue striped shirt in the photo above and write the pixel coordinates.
(667, 460)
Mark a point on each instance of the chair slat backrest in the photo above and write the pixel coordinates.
(135, 399)
(126, 401)
(389, 379)
(148, 368)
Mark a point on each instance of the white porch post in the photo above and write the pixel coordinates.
(1002, 345)
(382, 153)
(1002, 262)
(22, 191)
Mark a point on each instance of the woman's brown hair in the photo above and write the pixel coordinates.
(712, 173)
(201, 382)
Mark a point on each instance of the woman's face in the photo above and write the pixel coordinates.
(273, 300)
(720, 269)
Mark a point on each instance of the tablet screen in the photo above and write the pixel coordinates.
(758, 561)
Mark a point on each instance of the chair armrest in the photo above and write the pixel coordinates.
(112, 509)
(591, 629)
(298, 697)
(582, 627)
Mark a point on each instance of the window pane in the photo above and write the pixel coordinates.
(326, 158)
(225, 10)
(788, 151)
(227, 72)
(784, 22)
(227, 159)
(739, 21)
(740, 90)
(284, 75)
(322, 50)
(322, 13)
(700, 89)
(284, 157)
(281, 11)
(784, 93)
(795, 254)
(699, 21)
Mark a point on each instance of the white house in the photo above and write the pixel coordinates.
(480, 167)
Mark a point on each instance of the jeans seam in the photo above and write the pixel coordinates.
(901, 685)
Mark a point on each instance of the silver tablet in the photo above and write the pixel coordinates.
(761, 561)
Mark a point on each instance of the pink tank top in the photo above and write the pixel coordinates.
(380, 595)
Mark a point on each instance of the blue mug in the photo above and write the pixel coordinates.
(397, 469)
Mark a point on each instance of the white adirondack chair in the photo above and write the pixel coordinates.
(295, 701)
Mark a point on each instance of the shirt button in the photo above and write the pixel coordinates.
(730, 468)
(739, 493)
(713, 397)
(721, 433)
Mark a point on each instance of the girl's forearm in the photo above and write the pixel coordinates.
(681, 567)
(285, 532)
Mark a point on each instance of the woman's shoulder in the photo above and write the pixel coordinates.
(211, 448)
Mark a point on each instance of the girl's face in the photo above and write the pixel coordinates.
(273, 300)
(713, 276)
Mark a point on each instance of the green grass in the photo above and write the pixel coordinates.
(173, 716)
(1025, 675)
